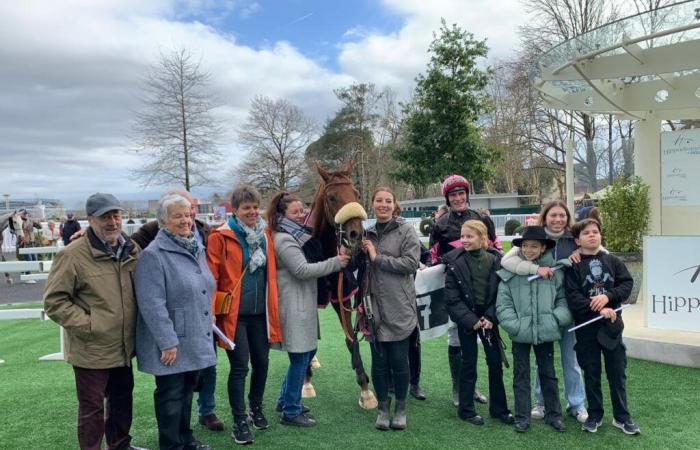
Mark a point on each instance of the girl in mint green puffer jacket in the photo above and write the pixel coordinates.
(533, 313)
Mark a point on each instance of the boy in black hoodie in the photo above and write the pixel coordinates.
(596, 286)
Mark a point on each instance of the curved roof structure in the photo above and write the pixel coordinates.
(630, 67)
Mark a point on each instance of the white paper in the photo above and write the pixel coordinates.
(223, 337)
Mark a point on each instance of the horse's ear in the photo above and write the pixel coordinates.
(321, 171)
(346, 168)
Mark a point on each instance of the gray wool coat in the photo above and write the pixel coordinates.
(391, 279)
(174, 295)
(296, 285)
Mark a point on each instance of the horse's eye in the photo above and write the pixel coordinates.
(331, 198)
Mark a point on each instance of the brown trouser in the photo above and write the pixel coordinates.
(100, 389)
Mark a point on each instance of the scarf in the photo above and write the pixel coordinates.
(254, 239)
(300, 233)
(189, 243)
(553, 235)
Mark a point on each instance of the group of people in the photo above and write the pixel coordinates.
(176, 289)
(556, 273)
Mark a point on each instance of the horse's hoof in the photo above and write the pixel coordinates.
(308, 391)
(315, 364)
(367, 399)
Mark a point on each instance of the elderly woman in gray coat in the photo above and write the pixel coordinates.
(296, 284)
(174, 328)
(393, 248)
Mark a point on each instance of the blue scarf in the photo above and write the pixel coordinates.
(189, 243)
(252, 242)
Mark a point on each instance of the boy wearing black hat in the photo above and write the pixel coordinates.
(533, 313)
(596, 286)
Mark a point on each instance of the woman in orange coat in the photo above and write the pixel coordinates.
(241, 256)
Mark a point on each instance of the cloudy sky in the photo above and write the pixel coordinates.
(70, 71)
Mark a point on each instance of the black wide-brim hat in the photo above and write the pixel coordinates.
(535, 233)
(610, 333)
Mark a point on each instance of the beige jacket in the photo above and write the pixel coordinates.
(91, 295)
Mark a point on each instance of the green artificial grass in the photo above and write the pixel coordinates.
(38, 404)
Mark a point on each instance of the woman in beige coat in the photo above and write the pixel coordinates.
(296, 283)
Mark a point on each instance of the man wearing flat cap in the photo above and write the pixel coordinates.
(90, 293)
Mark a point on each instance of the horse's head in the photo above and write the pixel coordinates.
(16, 224)
(341, 205)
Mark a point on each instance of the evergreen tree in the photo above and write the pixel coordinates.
(442, 136)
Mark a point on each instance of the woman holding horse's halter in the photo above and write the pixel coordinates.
(241, 256)
(393, 249)
(298, 268)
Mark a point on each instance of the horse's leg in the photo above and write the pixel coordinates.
(308, 391)
(367, 398)
(8, 278)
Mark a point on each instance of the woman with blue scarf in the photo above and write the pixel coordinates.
(297, 272)
(174, 288)
(241, 256)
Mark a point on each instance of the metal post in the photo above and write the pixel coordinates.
(569, 148)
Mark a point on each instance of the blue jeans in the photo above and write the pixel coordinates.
(207, 384)
(290, 393)
(574, 391)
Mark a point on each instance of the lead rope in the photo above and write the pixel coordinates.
(342, 309)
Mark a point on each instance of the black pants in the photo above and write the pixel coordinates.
(544, 355)
(93, 387)
(414, 362)
(588, 351)
(390, 356)
(173, 403)
(498, 405)
(251, 345)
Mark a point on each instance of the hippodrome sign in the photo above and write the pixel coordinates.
(672, 271)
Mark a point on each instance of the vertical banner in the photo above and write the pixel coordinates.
(680, 165)
(433, 320)
(672, 271)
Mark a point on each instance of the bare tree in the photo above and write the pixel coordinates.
(276, 135)
(555, 21)
(175, 130)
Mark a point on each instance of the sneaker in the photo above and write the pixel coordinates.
(196, 445)
(304, 409)
(521, 427)
(241, 433)
(474, 420)
(506, 418)
(558, 425)
(627, 427)
(257, 418)
(591, 425)
(479, 397)
(302, 420)
(416, 392)
(581, 415)
(537, 412)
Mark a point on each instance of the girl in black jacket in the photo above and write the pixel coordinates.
(471, 287)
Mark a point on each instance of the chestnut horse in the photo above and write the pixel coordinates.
(335, 191)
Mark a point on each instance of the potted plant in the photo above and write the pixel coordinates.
(625, 214)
